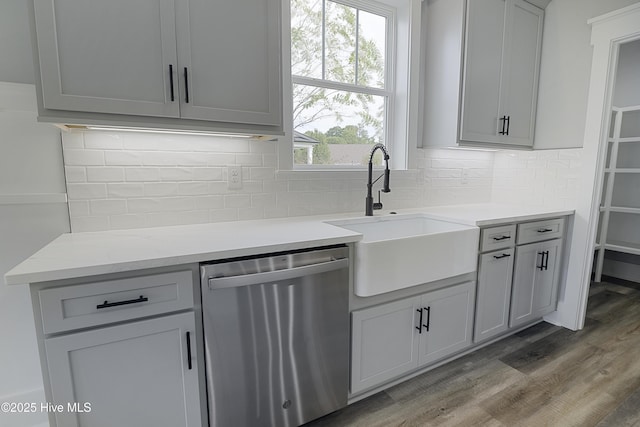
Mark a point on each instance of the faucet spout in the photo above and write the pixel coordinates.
(369, 205)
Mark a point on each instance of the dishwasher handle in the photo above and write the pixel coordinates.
(274, 276)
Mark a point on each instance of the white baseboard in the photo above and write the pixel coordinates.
(621, 270)
(29, 419)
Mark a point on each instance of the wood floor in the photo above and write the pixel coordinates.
(543, 376)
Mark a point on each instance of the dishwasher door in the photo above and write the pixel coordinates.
(276, 338)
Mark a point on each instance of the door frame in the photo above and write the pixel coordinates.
(608, 32)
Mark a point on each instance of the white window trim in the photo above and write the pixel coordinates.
(406, 84)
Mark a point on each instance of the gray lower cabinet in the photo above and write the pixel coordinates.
(535, 281)
(137, 374)
(395, 338)
(495, 272)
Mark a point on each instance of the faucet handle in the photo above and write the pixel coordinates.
(378, 205)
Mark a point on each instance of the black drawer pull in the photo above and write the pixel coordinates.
(186, 85)
(497, 239)
(502, 256)
(173, 97)
(545, 230)
(419, 328)
(189, 351)
(107, 304)
(428, 318)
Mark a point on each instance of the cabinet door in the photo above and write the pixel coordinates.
(135, 374)
(230, 61)
(482, 65)
(107, 56)
(383, 344)
(535, 281)
(447, 322)
(494, 294)
(523, 45)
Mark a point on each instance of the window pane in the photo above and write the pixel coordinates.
(340, 51)
(338, 127)
(371, 49)
(306, 38)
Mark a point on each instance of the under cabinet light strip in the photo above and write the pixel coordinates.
(176, 132)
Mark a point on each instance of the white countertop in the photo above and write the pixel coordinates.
(87, 254)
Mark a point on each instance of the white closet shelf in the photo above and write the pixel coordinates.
(630, 197)
(625, 247)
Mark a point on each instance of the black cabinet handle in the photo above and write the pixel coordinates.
(502, 256)
(173, 97)
(186, 85)
(107, 304)
(428, 318)
(545, 230)
(504, 122)
(508, 124)
(419, 328)
(544, 261)
(497, 239)
(189, 351)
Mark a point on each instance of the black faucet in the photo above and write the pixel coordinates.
(369, 205)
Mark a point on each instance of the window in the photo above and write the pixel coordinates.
(342, 85)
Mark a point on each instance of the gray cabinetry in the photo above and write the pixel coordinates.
(136, 374)
(395, 338)
(182, 64)
(494, 294)
(535, 281)
(501, 42)
(127, 347)
(447, 322)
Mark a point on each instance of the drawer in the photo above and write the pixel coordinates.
(530, 232)
(497, 237)
(97, 303)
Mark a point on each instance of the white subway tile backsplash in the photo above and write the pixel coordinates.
(78, 191)
(249, 159)
(128, 221)
(121, 180)
(105, 174)
(193, 188)
(221, 215)
(123, 158)
(160, 189)
(161, 219)
(108, 207)
(78, 157)
(139, 174)
(72, 140)
(125, 190)
(207, 174)
(103, 140)
(75, 173)
(237, 201)
(209, 202)
(78, 208)
(176, 174)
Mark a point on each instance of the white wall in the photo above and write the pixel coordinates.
(15, 43)
(565, 70)
(33, 212)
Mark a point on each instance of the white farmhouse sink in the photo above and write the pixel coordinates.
(399, 251)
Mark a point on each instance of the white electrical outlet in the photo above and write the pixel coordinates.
(234, 174)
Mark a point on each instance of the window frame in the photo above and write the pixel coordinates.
(402, 116)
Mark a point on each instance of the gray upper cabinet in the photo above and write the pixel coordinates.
(107, 56)
(491, 88)
(227, 49)
(180, 64)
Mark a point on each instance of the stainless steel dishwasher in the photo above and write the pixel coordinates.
(276, 337)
